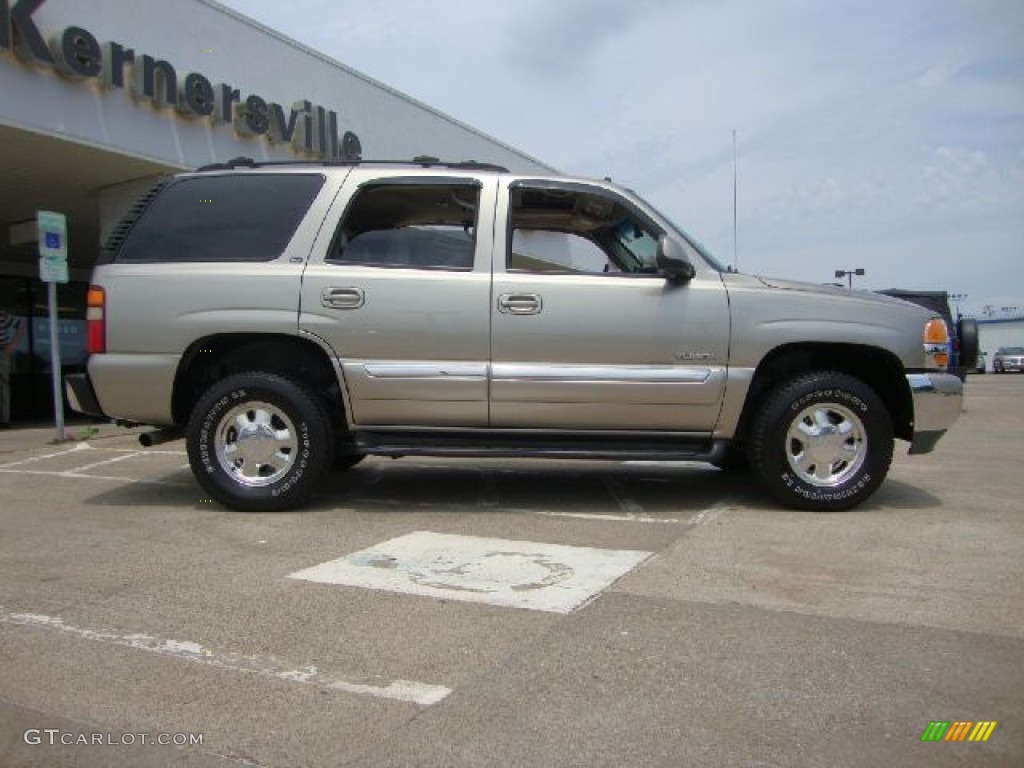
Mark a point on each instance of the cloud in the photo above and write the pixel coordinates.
(940, 74)
(887, 135)
(965, 161)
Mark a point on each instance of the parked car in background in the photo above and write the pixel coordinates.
(979, 367)
(1008, 359)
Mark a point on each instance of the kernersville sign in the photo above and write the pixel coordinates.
(76, 54)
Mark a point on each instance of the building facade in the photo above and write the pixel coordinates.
(995, 332)
(102, 97)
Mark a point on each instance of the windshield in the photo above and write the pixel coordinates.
(1011, 351)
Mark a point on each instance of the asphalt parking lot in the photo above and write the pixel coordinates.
(487, 613)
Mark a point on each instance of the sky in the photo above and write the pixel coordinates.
(886, 135)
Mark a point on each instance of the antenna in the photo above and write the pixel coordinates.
(735, 254)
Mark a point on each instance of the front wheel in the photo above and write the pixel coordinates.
(259, 442)
(823, 442)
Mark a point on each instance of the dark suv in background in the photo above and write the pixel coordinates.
(964, 332)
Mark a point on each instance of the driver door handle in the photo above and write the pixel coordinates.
(520, 304)
(342, 298)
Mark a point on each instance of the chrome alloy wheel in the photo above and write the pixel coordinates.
(826, 445)
(256, 444)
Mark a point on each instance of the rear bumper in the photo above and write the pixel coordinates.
(938, 399)
(81, 395)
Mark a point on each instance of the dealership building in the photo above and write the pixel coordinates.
(103, 97)
(999, 328)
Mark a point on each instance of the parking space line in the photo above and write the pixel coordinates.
(30, 459)
(421, 694)
(627, 518)
(122, 457)
(75, 474)
(350, 499)
(147, 451)
(709, 514)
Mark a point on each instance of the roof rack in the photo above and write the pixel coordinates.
(423, 161)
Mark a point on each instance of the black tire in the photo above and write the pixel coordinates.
(277, 464)
(852, 433)
(967, 333)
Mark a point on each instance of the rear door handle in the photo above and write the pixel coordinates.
(520, 304)
(342, 298)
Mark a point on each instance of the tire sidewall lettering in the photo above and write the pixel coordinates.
(290, 398)
(208, 428)
(855, 485)
(779, 415)
(850, 490)
(839, 396)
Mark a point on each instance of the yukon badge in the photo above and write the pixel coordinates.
(685, 357)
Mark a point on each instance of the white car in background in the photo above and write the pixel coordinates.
(1008, 359)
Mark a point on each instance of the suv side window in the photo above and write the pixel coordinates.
(574, 230)
(238, 217)
(410, 223)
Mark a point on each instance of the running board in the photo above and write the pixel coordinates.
(631, 447)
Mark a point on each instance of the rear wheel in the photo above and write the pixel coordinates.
(822, 441)
(259, 442)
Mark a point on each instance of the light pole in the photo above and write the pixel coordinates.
(848, 274)
(957, 298)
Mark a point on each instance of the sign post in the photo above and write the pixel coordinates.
(53, 269)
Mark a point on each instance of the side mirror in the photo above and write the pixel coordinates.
(673, 262)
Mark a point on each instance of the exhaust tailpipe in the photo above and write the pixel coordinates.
(158, 436)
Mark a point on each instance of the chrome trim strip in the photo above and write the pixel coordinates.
(642, 374)
(425, 370)
(526, 432)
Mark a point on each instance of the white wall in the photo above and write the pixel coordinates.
(1005, 333)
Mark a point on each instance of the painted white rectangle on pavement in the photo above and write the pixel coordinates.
(518, 574)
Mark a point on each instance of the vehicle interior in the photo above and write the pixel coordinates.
(424, 226)
(559, 229)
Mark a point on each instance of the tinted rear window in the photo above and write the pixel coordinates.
(247, 217)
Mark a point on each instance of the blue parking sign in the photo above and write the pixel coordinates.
(52, 229)
(53, 235)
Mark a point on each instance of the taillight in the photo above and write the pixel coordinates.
(936, 342)
(96, 320)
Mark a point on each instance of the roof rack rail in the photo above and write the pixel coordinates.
(424, 161)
